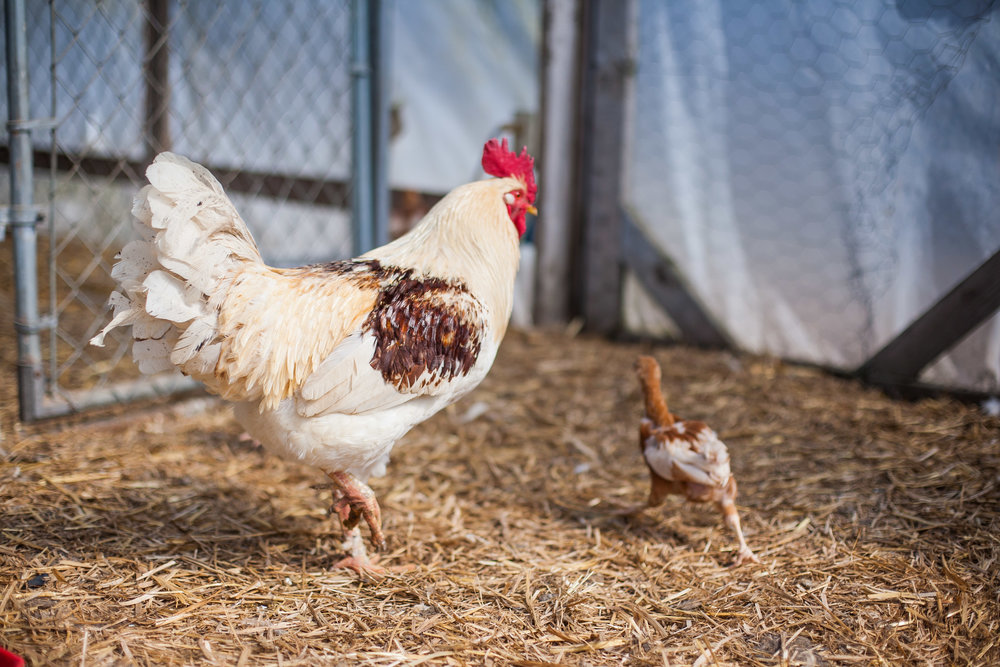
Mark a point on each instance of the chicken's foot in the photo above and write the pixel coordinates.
(354, 500)
(744, 555)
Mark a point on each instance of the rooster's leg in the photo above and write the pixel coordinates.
(354, 500)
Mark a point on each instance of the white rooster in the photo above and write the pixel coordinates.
(327, 364)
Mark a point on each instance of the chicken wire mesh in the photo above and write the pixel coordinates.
(259, 92)
(821, 172)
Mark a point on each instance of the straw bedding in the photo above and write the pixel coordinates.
(159, 537)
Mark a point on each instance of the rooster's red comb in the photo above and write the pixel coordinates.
(500, 161)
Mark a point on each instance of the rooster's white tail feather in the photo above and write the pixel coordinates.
(171, 279)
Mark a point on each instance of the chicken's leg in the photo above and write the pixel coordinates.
(660, 488)
(728, 509)
(353, 500)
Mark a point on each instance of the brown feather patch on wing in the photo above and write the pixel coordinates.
(276, 326)
(427, 330)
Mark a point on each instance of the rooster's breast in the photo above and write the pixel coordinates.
(356, 443)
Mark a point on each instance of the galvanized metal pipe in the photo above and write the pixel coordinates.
(362, 144)
(147, 388)
(23, 216)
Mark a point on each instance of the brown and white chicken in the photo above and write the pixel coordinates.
(685, 457)
(327, 364)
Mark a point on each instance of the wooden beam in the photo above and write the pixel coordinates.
(661, 279)
(609, 29)
(156, 74)
(557, 234)
(940, 328)
(326, 192)
(380, 42)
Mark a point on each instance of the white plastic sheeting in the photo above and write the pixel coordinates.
(822, 172)
(461, 72)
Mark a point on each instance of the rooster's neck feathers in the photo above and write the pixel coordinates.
(467, 237)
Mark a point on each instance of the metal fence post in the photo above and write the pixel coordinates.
(156, 74)
(23, 216)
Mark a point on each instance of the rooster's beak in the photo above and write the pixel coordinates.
(532, 210)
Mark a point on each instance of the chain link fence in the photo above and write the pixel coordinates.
(821, 172)
(258, 92)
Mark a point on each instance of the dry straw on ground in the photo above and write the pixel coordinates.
(161, 538)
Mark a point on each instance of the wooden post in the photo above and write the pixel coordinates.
(380, 43)
(556, 235)
(156, 74)
(609, 27)
(940, 328)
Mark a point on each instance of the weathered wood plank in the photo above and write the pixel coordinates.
(940, 328)
(156, 74)
(557, 232)
(608, 77)
(255, 183)
(661, 279)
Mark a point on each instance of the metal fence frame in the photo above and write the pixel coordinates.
(39, 394)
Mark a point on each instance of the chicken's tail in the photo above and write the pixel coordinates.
(648, 371)
(172, 279)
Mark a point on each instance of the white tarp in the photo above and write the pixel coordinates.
(822, 172)
(461, 72)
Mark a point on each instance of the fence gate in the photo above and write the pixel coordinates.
(262, 93)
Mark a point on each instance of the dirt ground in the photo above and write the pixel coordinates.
(159, 537)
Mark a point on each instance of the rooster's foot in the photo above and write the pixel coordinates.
(357, 558)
